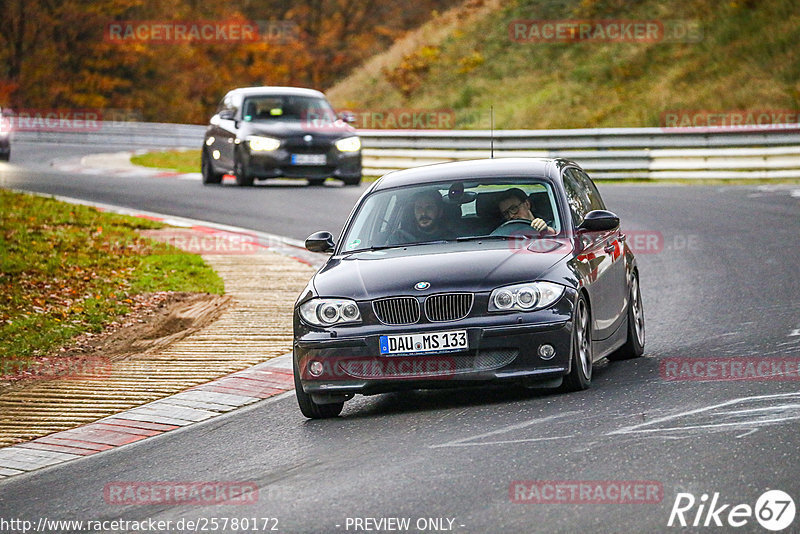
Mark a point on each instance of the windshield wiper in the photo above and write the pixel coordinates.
(480, 237)
(399, 245)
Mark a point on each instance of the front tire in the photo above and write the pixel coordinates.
(207, 170)
(634, 345)
(243, 176)
(580, 375)
(311, 409)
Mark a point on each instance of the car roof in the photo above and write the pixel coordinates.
(484, 169)
(275, 90)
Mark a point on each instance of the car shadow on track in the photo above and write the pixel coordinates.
(439, 399)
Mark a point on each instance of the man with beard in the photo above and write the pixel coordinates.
(428, 223)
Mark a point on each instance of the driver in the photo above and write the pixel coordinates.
(514, 204)
(429, 222)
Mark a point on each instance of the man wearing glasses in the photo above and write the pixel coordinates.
(514, 204)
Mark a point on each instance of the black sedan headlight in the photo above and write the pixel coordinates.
(260, 143)
(525, 297)
(349, 144)
(329, 312)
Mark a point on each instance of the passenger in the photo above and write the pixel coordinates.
(514, 204)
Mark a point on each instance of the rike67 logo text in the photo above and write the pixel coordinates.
(774, 510)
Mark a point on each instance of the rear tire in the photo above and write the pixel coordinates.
(581, 353)
(311, 409)
(634, 345)
(207, 170)
(243, 177)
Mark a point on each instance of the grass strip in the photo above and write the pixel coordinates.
(183, 161)
(66, 269)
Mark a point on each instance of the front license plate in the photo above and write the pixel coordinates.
(308, 159)
(430, 342)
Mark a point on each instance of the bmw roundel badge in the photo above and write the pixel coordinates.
(422, 286)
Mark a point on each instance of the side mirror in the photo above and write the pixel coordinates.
(320, 242)
(226, 114)
(347, 117)
(599, 221)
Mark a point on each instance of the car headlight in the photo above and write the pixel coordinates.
(349, 144)
(329, 312)
(263, 144)
(525, 297)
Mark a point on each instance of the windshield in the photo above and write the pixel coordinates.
(449, 212)
(287, 108)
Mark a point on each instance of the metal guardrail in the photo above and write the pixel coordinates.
(650, 153)
(608, 153)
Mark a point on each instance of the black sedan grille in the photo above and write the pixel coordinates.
(396, 310)
(442, 366)
(448, 307)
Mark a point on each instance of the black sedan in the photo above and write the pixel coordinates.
(279, 132)
(473, 272)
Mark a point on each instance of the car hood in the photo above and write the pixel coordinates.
(468, 266)
(284, 129)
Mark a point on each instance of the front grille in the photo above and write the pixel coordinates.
(396, 310)
(448, 307)
(494, 358)
(442, 366)
(306, 149)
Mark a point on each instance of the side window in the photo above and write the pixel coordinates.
(594, 195)
(577, 196)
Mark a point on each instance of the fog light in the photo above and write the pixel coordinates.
(315, 368)
(546, 352)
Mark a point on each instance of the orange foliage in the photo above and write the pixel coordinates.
(58, 55)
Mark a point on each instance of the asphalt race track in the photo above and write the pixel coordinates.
(720, 281)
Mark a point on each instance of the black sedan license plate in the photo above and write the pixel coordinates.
(431, 342)
(308, 159)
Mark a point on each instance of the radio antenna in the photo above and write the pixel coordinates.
(491, 129)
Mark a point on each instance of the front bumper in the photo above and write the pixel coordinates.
(278, 164)
(502, 348)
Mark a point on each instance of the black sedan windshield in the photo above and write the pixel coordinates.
(448, 212)
(287, 108)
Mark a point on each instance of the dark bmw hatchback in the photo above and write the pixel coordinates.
(473, 272)
(279, 132)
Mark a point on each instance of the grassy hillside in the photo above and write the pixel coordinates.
(748, 58)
